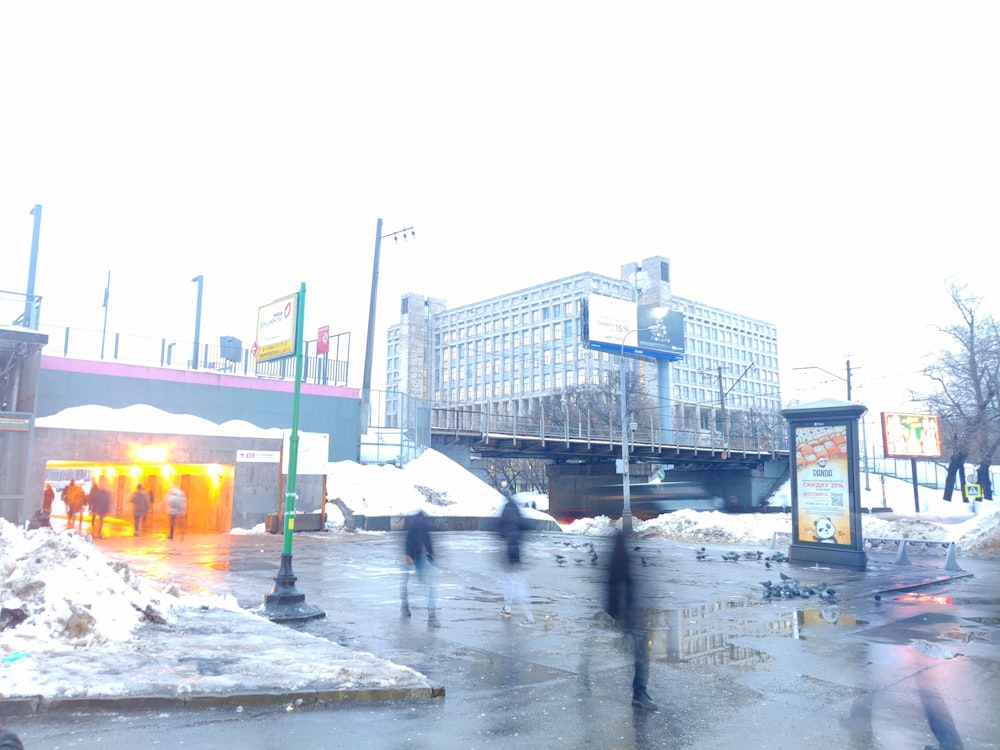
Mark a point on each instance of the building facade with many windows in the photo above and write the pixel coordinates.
(525, 353)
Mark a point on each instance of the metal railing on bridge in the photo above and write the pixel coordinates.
(598, 432)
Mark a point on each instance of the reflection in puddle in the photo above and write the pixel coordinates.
(703, 634)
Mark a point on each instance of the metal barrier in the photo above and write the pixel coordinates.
(950, 561)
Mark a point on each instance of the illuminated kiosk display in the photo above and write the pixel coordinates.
(826, 501)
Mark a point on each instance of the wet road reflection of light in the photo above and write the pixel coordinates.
(914, 597)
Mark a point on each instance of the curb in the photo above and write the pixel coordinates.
(28, 705)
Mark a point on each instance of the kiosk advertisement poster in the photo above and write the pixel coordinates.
(822, 479)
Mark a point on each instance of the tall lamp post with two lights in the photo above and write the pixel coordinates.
(366, 385)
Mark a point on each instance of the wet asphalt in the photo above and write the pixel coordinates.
(898, 656)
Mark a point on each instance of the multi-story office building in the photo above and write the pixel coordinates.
(525, 352)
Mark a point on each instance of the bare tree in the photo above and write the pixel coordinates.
(519, 474)
(968, 379)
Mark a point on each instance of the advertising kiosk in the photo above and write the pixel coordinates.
(825, 483)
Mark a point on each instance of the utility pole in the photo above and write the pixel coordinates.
(722, 405)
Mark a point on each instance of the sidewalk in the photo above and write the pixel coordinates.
(219, 657)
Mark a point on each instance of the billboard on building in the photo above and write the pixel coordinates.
(911, 435)
(276, 329)
(616, 325)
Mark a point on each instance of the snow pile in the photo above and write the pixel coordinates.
(431, 482)
(904, 528)
(977, 537)
(686, 525)
(980, 536)
(58, 589)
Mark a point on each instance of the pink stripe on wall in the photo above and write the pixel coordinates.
(193, 377)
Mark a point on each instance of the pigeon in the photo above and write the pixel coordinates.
(593, 558)
(561, 559)
(877, 597)
(766, 584)
(644, 561)
(767, 565)
(785, 577)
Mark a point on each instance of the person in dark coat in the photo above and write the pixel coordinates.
(140, 507)
(621, 604)
(511, 528)
(100, 504)
(419, 557)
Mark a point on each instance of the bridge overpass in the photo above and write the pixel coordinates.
(740, 467)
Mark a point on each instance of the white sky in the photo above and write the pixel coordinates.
(74, 600)
(826, 167)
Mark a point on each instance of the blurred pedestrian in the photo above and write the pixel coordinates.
(48, 495)
(621, 604)
(418, 556)
(140, 507)
(9, 740)
(176, 509)
(511, 528)
(100, 504)
(75, 499)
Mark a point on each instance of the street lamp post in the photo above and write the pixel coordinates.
(366, 384)
(197, 322)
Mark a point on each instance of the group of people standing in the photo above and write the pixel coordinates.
(621, 597)
(99, 502)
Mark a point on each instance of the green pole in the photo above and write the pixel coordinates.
(293, 439)
(285, 603)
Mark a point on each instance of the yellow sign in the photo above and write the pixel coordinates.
(276, 329)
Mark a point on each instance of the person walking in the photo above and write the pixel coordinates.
(48, 496)
(418, 556)
(100, 504)
(74, 498)
(140, 507)
(621, 604)
(511, 528)
(176, 508)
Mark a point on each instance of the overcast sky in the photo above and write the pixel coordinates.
(826, 167)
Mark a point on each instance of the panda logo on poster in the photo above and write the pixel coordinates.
(825, 531)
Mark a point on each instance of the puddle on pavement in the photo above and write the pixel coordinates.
(703, 634)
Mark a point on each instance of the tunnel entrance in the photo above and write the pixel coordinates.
(209, 490)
